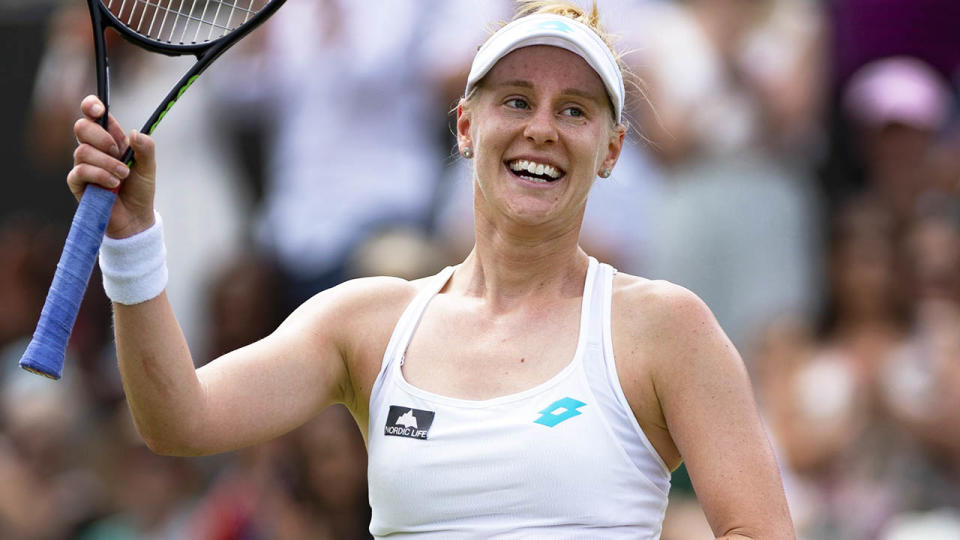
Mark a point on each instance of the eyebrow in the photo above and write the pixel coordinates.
(581, 93)
(518, 82)
(569, 91)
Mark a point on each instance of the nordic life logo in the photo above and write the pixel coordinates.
(559, 410)
(408, 422)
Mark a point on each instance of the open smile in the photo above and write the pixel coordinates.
(534, 171)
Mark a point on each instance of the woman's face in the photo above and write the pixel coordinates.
(541, 129)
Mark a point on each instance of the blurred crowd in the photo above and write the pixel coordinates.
(796, 163)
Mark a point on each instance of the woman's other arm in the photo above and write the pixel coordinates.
(703, 399)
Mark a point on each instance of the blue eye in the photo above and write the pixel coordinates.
(517, 103)
(574, 112)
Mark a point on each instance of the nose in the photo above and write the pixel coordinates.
(540, 128)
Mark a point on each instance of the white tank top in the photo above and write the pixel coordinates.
(564, 459)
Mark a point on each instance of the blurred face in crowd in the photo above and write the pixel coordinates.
(541, 129)
(899, 161)
(896, 146)
(933, 253)
(863, 264)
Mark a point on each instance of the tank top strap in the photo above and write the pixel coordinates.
(403, 331)
(601, 371)
(597, 288)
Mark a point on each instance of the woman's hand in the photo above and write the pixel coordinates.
(97, 161)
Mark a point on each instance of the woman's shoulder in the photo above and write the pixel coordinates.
(368, 297)
(358, 318)
(664, 316)
(654, 298)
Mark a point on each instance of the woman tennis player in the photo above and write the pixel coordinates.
(530, 391)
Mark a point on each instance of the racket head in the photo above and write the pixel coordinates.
(179, 27)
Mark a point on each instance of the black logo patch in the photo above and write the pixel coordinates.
(408, 422)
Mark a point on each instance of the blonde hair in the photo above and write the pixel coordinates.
(571, 11)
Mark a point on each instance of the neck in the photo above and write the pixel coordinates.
(512, 262)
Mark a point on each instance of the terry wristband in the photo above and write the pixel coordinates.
(135, 268)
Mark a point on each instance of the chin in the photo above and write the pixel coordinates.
(533, 215)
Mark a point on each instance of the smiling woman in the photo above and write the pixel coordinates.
(530, 391)
(539, 123)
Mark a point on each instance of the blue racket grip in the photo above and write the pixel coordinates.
(45, 353)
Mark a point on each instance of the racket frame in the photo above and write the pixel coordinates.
(205, 52)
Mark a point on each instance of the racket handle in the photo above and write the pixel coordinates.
(45, 353)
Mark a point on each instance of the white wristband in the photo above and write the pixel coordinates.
(135, 268)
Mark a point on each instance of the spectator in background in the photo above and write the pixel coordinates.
(920, 379)
(865, 31)
(898, 109)
(820, 393)
(864, 412)
(332, 146)
(735, 88)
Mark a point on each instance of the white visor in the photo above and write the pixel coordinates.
(556, 31)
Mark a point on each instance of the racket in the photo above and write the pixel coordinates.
(202, 28)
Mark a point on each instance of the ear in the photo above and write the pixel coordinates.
(464, 139)
(614, 147)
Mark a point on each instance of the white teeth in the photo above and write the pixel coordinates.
(534, 168)
(533, 179)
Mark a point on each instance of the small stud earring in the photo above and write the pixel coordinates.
(605, 173)
(467, 153)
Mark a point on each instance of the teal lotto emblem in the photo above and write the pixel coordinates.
(559, 26)
(558, 411)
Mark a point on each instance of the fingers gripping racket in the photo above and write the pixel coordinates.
(203, 28)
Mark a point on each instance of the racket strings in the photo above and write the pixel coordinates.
(177, 21)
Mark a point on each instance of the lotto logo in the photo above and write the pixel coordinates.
(558, 411)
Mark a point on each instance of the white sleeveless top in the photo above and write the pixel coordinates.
(564, 459)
